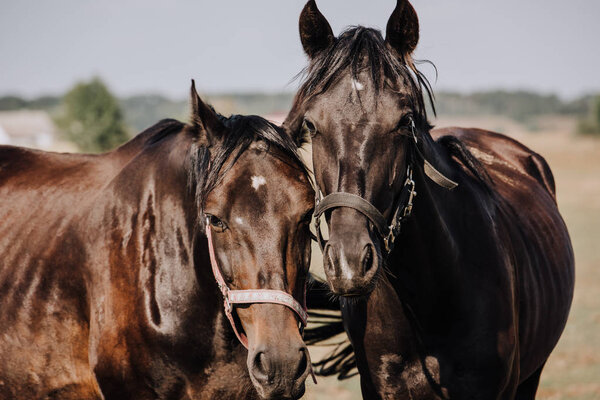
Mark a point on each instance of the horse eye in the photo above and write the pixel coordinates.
(216, 223)
(309, 127)
(405, 122)
(307, 217)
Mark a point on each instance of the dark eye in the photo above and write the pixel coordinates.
(309, 127)
(216, 223)
(405, 123)
(307, 217)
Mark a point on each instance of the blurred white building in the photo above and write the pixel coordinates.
(276, 118)
(27, 128)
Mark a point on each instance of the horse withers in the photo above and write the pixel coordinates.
(453, 265)
(106, 287)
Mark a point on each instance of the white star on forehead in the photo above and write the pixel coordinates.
(356, 85)
(258, 181)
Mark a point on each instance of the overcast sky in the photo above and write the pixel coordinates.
(141, 46)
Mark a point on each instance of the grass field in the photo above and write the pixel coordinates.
(573, 370)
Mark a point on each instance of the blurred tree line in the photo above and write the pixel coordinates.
(590, 124)
(90, 116)
(518, 105)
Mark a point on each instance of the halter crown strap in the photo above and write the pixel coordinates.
(437, 177)
(231, 297)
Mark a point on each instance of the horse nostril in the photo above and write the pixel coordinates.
(261, 368)
(367, 258)
(303, 365)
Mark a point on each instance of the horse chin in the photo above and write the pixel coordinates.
(276, 393)
(352, 290)
(358, 287)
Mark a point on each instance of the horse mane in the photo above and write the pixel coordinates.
(359, 48)
(242, 131)
(461, 154)
(161, 130)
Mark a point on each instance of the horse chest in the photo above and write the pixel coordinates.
(402, 379)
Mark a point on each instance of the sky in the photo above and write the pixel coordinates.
(141, 46)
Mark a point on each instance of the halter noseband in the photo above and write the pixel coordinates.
(232, 297)
(387, 232)
(404, 204)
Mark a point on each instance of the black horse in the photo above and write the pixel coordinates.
(461, 291)
(106, 288)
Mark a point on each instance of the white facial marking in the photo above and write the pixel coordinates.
(345, 267)
(239, 220)
(258, 181)
(356, 85)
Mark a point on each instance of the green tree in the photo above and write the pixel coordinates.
(91, 118)
(591, 124)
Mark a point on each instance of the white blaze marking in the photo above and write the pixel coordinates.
(239, 220)
(345, 267)
(356, 85)
(258, 181)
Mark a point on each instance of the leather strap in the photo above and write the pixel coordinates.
(341, 199)
(437, 177)
(232, 297)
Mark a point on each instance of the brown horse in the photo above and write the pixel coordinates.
(475, 294)
(106, 287)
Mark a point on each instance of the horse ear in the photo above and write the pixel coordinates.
(402, 32)
(204, 119)
(315, 32)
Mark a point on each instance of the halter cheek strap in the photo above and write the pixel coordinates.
(232, 297)
(387, 232)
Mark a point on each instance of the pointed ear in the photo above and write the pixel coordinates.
(315, 32)
(205, 120)
(402, 32)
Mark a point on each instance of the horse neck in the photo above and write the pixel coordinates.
(425, 258)
(417, 272)
(158, 258)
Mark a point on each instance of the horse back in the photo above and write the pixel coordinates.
(532, 236)
(498, 152)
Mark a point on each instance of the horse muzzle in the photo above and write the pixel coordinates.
(351, 259)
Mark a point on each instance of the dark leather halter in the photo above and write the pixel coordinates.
(388, 232)
(404, 203)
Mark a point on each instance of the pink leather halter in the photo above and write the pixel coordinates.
(251, 296)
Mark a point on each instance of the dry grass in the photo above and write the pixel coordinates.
(573, 370)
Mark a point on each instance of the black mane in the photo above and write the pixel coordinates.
(242, 131)
(359, 48)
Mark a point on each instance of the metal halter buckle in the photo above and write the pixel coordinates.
(413, 129)
(401, 214)
(389, 240)
(411, 194)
